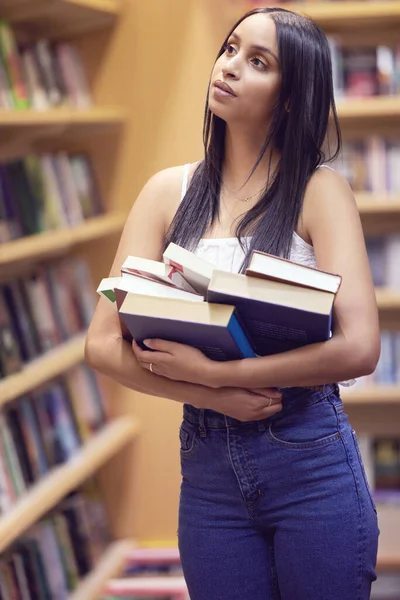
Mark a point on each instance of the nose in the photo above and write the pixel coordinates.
(230, 69)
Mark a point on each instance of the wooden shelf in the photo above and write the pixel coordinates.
(42, 369)
(383, 108)
(378, 204)
(61, 119)
(388, 563)
(110, 565)
(384, 394)
(61, 18)
(65, 478)
(388, 299)
(342, 16)
(59, 241)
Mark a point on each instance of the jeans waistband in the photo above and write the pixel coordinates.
(292, 398)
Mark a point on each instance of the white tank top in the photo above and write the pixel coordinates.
(227, 254)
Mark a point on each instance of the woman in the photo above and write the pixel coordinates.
(274, 501)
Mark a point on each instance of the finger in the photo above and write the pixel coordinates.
(268, 411)
(151, 357)
(268, 392)
(162, 345)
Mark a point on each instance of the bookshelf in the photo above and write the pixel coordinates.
(60, 241)
(334, 16)
(370, 395)
(94, 27)
(110, 565)
(42, 369)
(61, 18)
(53, 487)
(351, 111)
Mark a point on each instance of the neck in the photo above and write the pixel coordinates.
(241, 152)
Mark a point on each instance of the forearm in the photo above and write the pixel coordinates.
(317, 364)
(115, 359)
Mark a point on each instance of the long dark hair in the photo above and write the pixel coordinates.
(298, 131)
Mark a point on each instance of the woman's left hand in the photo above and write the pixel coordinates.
(175, 361)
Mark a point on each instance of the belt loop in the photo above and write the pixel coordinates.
(202, 425)
(261, 425)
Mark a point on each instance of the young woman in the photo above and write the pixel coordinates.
(274, 501)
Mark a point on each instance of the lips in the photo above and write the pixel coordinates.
(224, 87)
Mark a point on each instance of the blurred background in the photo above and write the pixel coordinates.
(95, 97)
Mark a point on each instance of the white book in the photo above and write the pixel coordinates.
(195, 270)
(143, 287)
(135, 265)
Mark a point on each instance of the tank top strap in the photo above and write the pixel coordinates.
(185, 180)
(325, 167)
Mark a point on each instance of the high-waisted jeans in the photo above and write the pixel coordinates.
(278, 509)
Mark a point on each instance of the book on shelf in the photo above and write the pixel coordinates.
(42, 192)
(46, 428)
(370, 164)
(41, 75)
(387, 372)
(362, 71)
(381, 458)
(269, 316)
(43, 309)
(51, 557)
(383, 253)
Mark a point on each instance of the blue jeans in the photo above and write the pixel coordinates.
(278, 509)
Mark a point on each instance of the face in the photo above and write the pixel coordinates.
(250, 67)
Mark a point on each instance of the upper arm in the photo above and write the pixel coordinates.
(332, 221)
(142, 236)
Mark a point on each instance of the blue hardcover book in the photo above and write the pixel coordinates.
(212, 328)
(276, 316)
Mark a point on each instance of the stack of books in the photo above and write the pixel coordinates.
(277, 305)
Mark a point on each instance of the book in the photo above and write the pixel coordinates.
(155, 269)
(214, 329)
(143, 286)
(280, 269)
(276, 316)
(195, 270)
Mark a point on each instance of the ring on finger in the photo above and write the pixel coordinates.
(270, 402)
(151, 367)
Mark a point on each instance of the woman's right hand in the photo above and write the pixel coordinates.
(246, 405)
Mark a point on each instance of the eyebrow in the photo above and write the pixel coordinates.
(257, 47)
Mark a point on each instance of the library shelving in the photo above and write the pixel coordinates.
(334, 16)
(383, 394)
(65, 478)
(54, 242)
(61, 17)
(42, 369)
(97, 132)
(110, 565)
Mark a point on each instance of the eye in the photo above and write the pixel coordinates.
(229, 49)
(257, 62)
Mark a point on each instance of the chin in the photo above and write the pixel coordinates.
(218, 109)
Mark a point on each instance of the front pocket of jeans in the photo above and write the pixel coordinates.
(308, 427)
(187, 438)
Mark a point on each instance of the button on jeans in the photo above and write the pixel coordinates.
(278, 509)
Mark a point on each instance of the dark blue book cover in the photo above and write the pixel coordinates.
(215, 330)
(276, 317)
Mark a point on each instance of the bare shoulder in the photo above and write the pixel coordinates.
(172, 179)
(328, 199)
